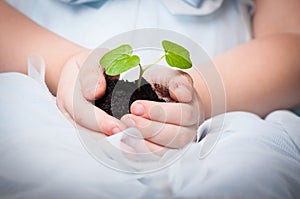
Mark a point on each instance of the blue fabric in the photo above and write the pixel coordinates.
(92, 3)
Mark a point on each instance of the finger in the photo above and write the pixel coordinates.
(172, 113)
(156, 149)
(89, 116)
(181, 87)
(94, 134)
(138, 146)
(91, 76)
(178, 83)
(167, 135)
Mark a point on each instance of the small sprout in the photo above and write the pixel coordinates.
(121, 59)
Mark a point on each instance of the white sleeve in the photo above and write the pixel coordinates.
(252, 158)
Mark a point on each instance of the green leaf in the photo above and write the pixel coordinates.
(123, 64)
(176, 55)
(119, 60)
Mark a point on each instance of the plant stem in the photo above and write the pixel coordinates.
(142, 71)
(158, 60)
(140, 76)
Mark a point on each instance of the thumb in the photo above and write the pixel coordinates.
(181, 88)
(93, 84)
(91, 76)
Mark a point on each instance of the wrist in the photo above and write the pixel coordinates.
(55, 62)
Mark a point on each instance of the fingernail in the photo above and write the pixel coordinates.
(138, 109)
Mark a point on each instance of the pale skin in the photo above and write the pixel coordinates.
(259, 76)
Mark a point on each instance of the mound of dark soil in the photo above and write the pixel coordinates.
(121, 94)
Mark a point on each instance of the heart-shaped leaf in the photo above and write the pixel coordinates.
(119, 60)
(176, 55)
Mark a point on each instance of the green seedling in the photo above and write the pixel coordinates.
(121, 59)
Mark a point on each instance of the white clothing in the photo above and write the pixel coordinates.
(42, 156)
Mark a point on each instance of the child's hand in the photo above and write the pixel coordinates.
(167, 125)
(78, 86)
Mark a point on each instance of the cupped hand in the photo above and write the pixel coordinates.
(81, 82)
(170, 125)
